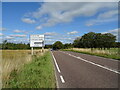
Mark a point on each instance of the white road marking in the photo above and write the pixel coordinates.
(56, 76)
(93, 63)
(56, 63)
(62, 79)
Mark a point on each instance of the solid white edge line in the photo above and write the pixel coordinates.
(62, 79)
(93, 63)
(115, 60)
(56, 63)
(55, 73)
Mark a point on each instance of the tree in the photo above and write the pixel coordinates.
(77, 42)
(57, 45)
(88, 40)
(68, 45)
(95, 40)
(48, 46)
(4, 44)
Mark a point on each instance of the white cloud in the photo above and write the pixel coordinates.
(50, 33)
(108, 16)
(115, 32)
(1, 34)
(18, 31)
(28, 20)
(18, 35)
(73, 32)
(48, 37)
(2, 29)
(66, 12)
(9, 37)
(39, 27)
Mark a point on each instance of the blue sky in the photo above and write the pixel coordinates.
(58, 21)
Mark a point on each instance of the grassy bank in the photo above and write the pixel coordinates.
(15, 59)
(39, 73)
(111, 53)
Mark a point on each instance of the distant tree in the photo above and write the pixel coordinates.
(13, 46)
(4, 44)
(117, 44)
(108, 40)
(68, 45)
(48, 46)
(95, 40)
(57, 45)
(77, 42)
(88, 40)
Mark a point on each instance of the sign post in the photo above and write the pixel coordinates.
(37, 41)
(32, 50)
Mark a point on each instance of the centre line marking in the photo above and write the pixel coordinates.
(56, 63)
(62, 79)
(94, 63)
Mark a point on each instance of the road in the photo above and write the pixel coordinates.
(76, 70)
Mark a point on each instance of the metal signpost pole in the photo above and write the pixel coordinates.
(43, 46)
(32, 50)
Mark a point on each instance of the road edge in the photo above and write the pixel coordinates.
(54, 71)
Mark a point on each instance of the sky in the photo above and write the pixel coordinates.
(58, 21)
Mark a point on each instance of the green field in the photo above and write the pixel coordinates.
(37, 73)
(112, 53)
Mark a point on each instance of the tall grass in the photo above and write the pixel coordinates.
(108, 53)
(37, 74)
(14, 60)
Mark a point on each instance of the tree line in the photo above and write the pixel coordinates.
(96, 40)
(89, 40)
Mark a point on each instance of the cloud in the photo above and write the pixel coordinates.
(1, 34)
(115, 32)
(73, 32)
(39, 27)
(28, 20)
(50, 33)
(18, 31)
(3, 29)
(108, 16)
(18, 35)
(9, 37)
(61, 12)
(49, 37)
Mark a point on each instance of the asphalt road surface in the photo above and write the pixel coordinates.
(76, 70)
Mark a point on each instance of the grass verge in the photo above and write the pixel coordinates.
(116, 56)
(37, 74)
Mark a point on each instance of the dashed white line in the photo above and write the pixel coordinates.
(93, 63)
(62, 79)
(56, 63)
